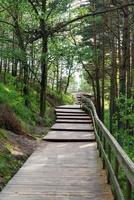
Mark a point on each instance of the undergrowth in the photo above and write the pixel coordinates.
(11, 95)
(16, 117)
(126, 141)
(9, 163)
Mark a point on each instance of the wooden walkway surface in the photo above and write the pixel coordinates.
(66, 166)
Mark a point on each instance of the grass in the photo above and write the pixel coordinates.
(11, 95)
(15, 100)
(9, 164)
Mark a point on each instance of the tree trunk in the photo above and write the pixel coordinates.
(97, 70)
(22, 47)
(68, 78)
(125, 52)
(132, 55)
(53, 81)
(113, 81)
(43, 69)
(5, 70)
(57, 76)
(1, 63)
(125, 66)
(103, 74)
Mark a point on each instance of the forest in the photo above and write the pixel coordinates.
(53, 49)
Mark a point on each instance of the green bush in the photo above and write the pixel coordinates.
(15, 100)
(60, 98)
(11, 94)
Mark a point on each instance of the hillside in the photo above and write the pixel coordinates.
(21, 128)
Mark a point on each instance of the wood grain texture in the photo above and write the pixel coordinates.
(72, 127)
(75, 121)
(71, 114)
(67, 171)
(70, 136)
(69, 106)
(74, 117)
(60, 170)
(61, 110)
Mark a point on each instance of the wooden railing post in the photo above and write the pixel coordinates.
(101, 137)
(107, 146)
(116, 168)
(128, 190)
(104, 147)
(109, 158)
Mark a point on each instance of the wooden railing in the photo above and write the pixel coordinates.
(113, 156)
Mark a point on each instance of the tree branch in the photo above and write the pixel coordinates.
(33, 35)
(34, 7)
(53, 8)
(8, 23)
(35, 75)
(61, 25)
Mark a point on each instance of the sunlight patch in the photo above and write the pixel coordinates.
(86, 145)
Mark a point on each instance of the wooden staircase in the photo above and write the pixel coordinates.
(66, 166)
(72, 124)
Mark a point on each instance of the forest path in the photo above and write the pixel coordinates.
(66, 165)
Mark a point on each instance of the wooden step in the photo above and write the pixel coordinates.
(72, 127)
(74, 121)
(69, 111)
(69, 136)
(71, 114)
(60, 171)
(74, 117)
(69, 107)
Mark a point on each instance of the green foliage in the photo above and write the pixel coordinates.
(68, 99)
(125, 139)
(125, 107)
(9, 164)
(61, 98)
(15, 100)
(106, 118)
(84, 83)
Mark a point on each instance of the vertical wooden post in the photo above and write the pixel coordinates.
(128, 190)
(100, 136)
(109, 158)
(98, 132)
(116, 168)
(104, 146)
(98, 146)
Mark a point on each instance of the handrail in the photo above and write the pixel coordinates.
(104, 138)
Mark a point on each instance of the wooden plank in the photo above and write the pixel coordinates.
(69, 106)
(74, 117)
(74, 121)
(60, 171)
(69, 110)
(45, 197)
(72, 127)
(71, 114)
(125, 162)
(70, 136)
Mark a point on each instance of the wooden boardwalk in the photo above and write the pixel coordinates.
(66, 166)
